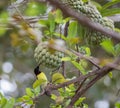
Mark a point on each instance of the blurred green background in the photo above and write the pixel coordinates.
(17, 61)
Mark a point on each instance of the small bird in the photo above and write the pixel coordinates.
(41, 78)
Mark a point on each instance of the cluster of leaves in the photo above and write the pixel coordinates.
(82, 64)
(107, 11)
(29, 98)
(6, 102)
(63, 100)
(109, 47)
(51, 29)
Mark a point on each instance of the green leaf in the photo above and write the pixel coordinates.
(87, 50)
(4, 17)
(85, 106)
(99, 7)
(79, 101)
(83, 63)
(51, 23)
(60, 35)
(3, 20)
(58, 78)
(66, 59)
(35, 8)
(72, 87)
(47, 32)
(69, 91)
(110, 12)
(26, 97)
(58, 17)
(108, 46)
(113, 2)
(72, 41)
(3, 102)
(72, 29)
(1, 95)
(81, 31)
(53, 96)
(78, 66)
(36, 90)
(10, 103)
(29, 92)
(117, 105)
(30, 102)
(67, 102)
(66, 19)
(85, 1)
(117, 49)
(110, 75)
(44, 22)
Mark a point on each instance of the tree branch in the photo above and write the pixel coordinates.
(85, 21)
(100, 73)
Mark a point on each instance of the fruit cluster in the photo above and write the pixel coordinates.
(91, 12)
(47, 57)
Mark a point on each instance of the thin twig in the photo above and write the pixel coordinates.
(63, 69)
(81, 85)
(66, 29)
(91, 59)
(78, 79)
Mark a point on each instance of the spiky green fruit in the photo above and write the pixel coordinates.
(89, 10)
(95, 37)
(47, 57)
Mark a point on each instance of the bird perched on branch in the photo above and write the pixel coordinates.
(41, 78)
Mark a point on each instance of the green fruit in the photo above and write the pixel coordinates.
(47, 57)
(89, 10)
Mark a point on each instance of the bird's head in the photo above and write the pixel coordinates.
(37, 71)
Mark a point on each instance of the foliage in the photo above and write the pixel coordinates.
(61, 86)
(5, 103)
(117, 105)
